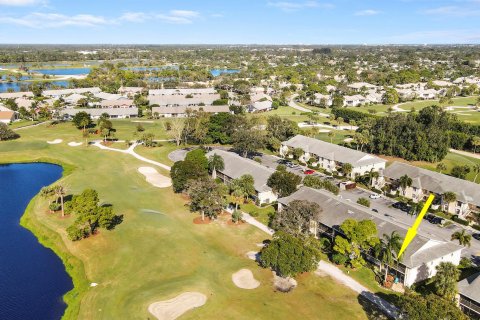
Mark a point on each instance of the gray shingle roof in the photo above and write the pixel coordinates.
(332, 151)
(182, 100)
(466, 191)
(337, 210)
(62, 92)
(470, 287)
(237, 166)
(182, 110)
(99, 111)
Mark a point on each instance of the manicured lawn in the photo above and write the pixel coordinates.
(340, 135)
(157, 252)
(451, 160)
(264, 213)
(288, 113)
(420, 104)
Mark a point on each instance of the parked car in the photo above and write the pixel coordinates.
(476, 236)
(375, 210)
(309, 171)
(397, 205)
(374, 196)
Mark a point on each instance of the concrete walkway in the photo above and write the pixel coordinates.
(132, 152)
(337, 274)
(466, 153)
(294, 105)
(254, 222)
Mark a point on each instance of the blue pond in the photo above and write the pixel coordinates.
(63, 72)
(17, 86)
(32, 278)
(217, 72)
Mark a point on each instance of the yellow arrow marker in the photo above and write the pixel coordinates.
(412, 232)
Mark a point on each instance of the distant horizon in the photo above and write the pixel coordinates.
(370, 22)
(251, 44)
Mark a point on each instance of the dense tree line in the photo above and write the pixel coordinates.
(412, 136)
(6, 133)
(90, 215)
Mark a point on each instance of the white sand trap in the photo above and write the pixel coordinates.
(174, 308)
(348, 140)
(155, 178)
(253, 255)
(56, 141)
(244, 279)
(75, 144)
(324, 131)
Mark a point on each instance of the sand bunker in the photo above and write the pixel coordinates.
(174, 308)
(324, 131)
(155, 178)
(75, 144)
(253, 255)
(244, 279)
(283, 284)
(348, 140)
(56, 141)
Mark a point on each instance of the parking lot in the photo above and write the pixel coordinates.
(433, 231)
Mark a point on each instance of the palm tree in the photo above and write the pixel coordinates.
(475, 143)
(404, 182)
(373, 175)
(389, 247)
(441, 167)
(445, 280)
(47, 193)
(414, 209)
(60, 192)
(463, 238)
(347, 169)
(331, 134)
(237, 197)
(476, 169)
(215, 162)
(449, 197)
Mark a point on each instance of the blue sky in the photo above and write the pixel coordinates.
(241, 21)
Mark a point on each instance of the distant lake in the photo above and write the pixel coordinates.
(151, 68)
(16, 86)
(33, 279)
(63, 72)
(217, 72)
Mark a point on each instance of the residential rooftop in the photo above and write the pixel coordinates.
(332, 151)
(466, 191)
(424, 247)
(470, 287)
(237, 166)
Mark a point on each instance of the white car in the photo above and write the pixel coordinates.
(374, 196)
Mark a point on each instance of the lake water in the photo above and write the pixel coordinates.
(32, 278)
(217, 72)
(63, 72)
(16, 86)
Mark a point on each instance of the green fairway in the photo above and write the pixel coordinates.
(451, 160)
(157, 252)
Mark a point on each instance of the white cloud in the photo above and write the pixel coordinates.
(367, 12)
(295, 6)
(134, 17)
(179, 16)
(55, 20)
(455, 11)
(20, 3)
